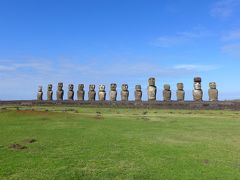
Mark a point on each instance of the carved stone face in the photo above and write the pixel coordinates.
(180, 86)
(166, 87)
(101, 87)
(50, 87)
(198, 79)
(60, 86)
(113, 87)
(197, 86)
(70, 87)
(151, 81)
(91, 87)
(80, 87)
(39, 88)
(124, 87)
(138, 87)
(212, 85)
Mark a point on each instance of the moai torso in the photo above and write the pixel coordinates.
(124, 92)
(40, 94)
(152, 89)
(138, 93)
(167, 93)
(113, 92)
(197, 92)
(180, 92)
(102, 93)
(81, 92)
(70, 92)
(50, 93)
(91, 93)
(60, 91)
(213, 92)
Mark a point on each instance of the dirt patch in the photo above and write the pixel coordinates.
(17, 146)
(30, 141)
(205, 161)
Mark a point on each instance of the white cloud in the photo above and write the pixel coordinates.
(224, 8)
(196, 68)
(232, 49)
(181, 37)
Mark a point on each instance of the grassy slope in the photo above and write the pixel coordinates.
(119, 143)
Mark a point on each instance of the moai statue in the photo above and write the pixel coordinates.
(113, 92)
(124, 92)
(197, 92)
(152, 89)
(102, 93)
(60, 91)
(138, 93)
(81, 92)
(213, 92)
(91, 92)
(50, 93)
(180, 92)
(167, 93)
(70, 92)
(40, 94)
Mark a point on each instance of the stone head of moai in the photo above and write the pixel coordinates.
(40, 93)
(113, 87)
(91, 93)
(50, 87)
(81, 92)
(180, 92)
(152, 89)
(113, 92)
(197, 92)
(70, 92)
(60, 91)
(138, 93)
(101, 87)
(151, 81)
(81, 87)
(166, 92)
(101, 93)
(124, 92)
(213, 92)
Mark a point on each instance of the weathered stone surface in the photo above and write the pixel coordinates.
(167, 93)
(124, 92)
(70, 92)
(197, 92)
(50, 93)
(138, 93)
(113, 92)
(40, 94)
(213, 92)
(60, 91)
(152, 89)
(180, 92)
(91, 93)
(81, 92)
(102, 93)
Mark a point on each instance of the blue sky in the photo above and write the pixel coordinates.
(122, 41)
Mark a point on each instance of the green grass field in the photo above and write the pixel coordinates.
(108, 143)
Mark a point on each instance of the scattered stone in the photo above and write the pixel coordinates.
(17, 146)
(30, 141)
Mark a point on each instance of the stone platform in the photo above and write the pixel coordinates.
(204, 105)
